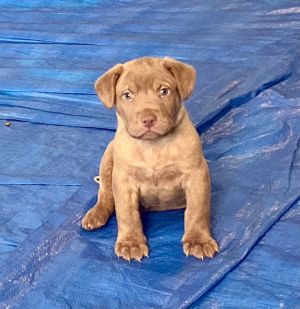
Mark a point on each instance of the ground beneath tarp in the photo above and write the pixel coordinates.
(246, 106)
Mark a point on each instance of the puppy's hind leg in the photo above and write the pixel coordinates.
(100, 213)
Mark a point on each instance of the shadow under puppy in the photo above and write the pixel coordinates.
(155, 159)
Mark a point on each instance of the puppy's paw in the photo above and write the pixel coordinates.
(200, 247)
(94, 218)
(131, 249)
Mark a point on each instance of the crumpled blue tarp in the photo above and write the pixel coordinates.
(246, 105)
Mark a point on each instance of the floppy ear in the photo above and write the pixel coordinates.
(105, 85)
(185, 76)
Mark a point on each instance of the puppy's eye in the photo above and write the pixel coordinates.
(164, 91)
(127, 95)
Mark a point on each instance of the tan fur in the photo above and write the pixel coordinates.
(155, 160)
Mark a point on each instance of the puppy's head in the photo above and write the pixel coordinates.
(147, 94)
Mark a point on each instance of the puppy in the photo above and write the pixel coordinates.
(155, 160)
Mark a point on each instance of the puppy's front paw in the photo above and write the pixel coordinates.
(94, 218)
(199, 247)
(131, 249)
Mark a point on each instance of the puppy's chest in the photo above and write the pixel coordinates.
(157, 176)
(160, 187)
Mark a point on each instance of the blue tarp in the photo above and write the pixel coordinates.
(246, 106)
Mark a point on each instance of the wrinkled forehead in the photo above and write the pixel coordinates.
(140, 76)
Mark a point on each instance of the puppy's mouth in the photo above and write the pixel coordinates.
(149, 135)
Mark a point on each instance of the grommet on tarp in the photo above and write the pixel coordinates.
(97, 179)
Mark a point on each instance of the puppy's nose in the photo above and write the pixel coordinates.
(149, 120)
